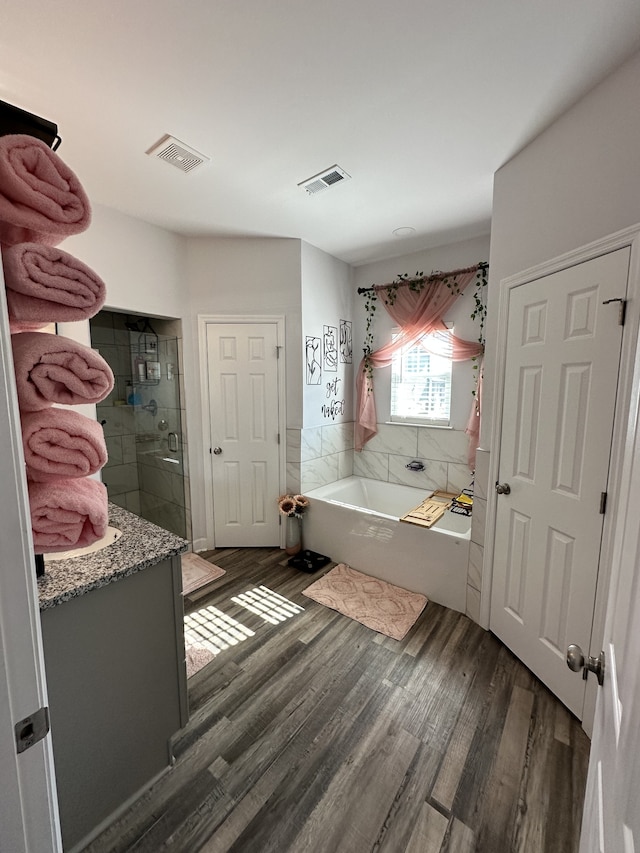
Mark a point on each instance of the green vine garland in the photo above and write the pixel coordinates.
(480, 300)
(370, 299)
(416, 284)
(480, 313)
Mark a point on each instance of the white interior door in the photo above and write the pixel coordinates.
(28, 803)
(244, 419)
(611, 818)
(562, 360)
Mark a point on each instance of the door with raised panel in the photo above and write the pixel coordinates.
(244, 418)
(610, 819)
(562, 359)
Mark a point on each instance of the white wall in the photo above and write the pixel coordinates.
(576, 182)
(327, 298)
(143, 266)
(247, 276)
(320, 445)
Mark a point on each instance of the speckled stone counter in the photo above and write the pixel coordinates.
(141, 545)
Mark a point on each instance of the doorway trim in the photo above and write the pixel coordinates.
(205, 320)
(627, 237)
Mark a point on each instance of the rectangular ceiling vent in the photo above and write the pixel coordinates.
(171, 150)
(324, 180)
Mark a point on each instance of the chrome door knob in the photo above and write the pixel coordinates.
(217, 450)
(576, 662)
(575, 658)
(503, 488)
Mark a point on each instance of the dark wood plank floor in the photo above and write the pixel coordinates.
(317, 734)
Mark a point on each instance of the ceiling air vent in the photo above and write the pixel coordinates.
(324, 180)
(171, 150)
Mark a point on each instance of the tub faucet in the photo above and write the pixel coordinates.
(416, 465)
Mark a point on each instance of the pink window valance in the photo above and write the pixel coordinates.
(418, 309)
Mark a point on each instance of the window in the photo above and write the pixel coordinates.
(421, 381)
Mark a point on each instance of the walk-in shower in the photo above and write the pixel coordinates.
(143, 418)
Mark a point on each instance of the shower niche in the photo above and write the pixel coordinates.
(144, 418)
(146, 368)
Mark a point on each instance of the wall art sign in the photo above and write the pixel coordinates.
(334, 406)
(346, 342)
(313, 365)
(330, 348)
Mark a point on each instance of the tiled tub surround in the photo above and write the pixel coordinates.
(141, 545)
(342, 524)
(319, 455)
(476, 548)
(443, 452)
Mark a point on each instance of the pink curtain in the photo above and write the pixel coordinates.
(417, 313)
(473, 426)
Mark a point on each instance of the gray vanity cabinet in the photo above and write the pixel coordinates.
(117, 692)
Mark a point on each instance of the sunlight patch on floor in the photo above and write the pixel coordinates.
(269, 605)
(211, 629)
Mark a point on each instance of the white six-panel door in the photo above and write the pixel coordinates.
(611, 819)
(28, 804)
(562, 359)
(243, 409)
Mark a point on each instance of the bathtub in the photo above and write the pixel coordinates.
(356, 521)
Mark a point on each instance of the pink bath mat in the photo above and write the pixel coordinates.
(384, 607)
(197, 573)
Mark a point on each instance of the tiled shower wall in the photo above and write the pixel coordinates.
(136, 476)
(164, 486)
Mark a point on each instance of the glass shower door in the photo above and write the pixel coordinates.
(160, 449)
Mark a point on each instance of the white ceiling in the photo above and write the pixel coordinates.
(420, 101)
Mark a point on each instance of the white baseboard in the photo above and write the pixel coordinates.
(200, 545)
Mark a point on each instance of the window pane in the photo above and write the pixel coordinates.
(421, 384)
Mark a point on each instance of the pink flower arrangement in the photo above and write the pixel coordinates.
(293, 505)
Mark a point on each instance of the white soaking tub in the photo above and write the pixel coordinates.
(356, 521)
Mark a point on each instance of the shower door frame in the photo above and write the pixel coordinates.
(205, 320)
(182, 528)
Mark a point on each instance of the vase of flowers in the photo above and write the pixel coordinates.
(293, 507)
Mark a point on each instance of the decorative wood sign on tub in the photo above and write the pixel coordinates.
(431, 509)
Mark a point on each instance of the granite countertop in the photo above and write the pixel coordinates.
(141, 545)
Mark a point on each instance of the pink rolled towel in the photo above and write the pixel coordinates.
(41, 199)
(54, 369)
(67, 514)
(61, 443)
(46, 285)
